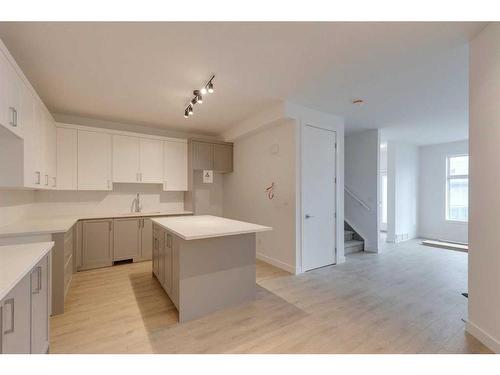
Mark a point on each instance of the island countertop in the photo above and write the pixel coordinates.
(17, 260)
(207, 226)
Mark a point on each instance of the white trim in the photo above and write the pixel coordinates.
(277, 263)
(484, 337)
(119, 132)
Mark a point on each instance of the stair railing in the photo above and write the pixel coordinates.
(356, 198)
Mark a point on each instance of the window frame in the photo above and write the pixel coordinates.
(447, 188)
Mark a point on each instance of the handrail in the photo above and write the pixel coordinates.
(359, 200)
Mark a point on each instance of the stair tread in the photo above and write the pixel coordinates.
(348, 232)
(352, 243)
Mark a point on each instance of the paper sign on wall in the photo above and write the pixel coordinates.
(208, 177)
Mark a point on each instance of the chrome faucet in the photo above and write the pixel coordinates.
(137, 204)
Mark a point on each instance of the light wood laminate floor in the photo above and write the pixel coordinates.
(406, 300)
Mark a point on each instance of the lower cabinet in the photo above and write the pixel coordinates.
(24, 313)
(163, 260)
(146, 239)
(97, 244)
(126, 238)
(105, 241)
(167, 260)
(16, 315)
(156, 249)
(40, 307)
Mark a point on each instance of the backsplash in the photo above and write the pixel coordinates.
(120, 200)
(16, 205)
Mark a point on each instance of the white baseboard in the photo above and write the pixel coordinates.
(340, 259)
(277, 263)
(484, 337)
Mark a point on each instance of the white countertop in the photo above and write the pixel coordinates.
(207, 226)
(61, 224)
(16, 261)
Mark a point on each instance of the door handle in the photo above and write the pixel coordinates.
(308, 216)
(46, 180)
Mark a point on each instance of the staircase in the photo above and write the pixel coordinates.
(351, 244)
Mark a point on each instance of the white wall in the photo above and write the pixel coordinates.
(484, 211)
(361, 177)
(402, 187)
(432, 193)
(208, 198)
(261, 158)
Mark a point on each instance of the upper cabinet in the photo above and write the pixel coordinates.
(11, 114)
(137, 159)
(216, 156)
(151, 160)
(125, 158)
(27, 132)
(94, 160)
(67, 155)
(175, 166)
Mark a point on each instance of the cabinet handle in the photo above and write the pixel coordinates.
(46, 180)
(10, 302)
(139, 223)
(38, 177)
(38, 280)
(140, 176)
(13, 121)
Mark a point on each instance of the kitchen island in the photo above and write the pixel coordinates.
(205, 263)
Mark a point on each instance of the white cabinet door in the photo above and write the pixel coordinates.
(94, 160)
(16, 319)
(32, 174)
(10, 97)
(51, 151)
(175, 162)
(125, 158)
(43, 146)
(66, 159)
(40, 307)
(151, 161)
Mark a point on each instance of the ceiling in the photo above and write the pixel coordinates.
(413, 77)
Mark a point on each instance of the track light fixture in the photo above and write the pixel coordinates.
(198, 96)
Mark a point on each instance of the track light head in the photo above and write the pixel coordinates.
(186, 113)
(210, 87)
(190, 110)
(203, 91)
(197, 96)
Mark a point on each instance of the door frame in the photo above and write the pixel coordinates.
(338, 196)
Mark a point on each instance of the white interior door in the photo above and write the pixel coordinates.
(318, 197)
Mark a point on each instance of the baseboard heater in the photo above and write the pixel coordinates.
(458, 246)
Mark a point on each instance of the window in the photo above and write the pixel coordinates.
(457, 188)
